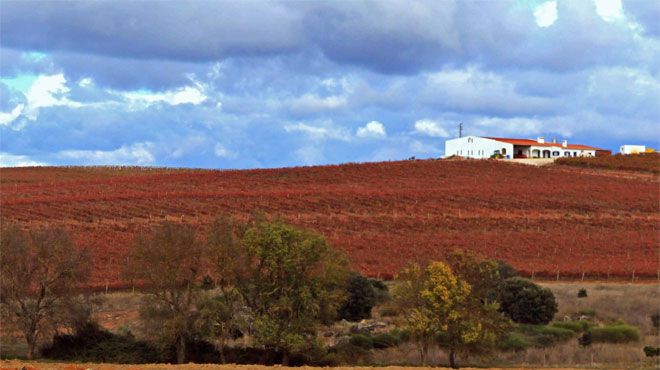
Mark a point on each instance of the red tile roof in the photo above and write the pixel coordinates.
(528, 142)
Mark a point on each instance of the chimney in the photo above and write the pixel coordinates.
(540, 140)
(554, 140)
(564, 143)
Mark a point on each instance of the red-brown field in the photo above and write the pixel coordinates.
(544, 220)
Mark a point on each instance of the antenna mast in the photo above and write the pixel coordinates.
(460, 129)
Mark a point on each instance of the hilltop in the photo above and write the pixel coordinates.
(550, 220)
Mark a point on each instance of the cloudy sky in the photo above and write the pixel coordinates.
(245, 84)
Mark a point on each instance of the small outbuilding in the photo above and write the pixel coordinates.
(632, 149)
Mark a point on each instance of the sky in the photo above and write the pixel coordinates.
(253, 84)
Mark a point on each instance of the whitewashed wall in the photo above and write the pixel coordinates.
(476, 147)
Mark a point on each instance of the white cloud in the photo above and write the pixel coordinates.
(185, 95)
(546, 14)
(47, 91)
(327, 131)
(610, 10)
(137, 154)
(373, 129)
(310, 155)
(310, 103)
(85, 82)
(222, 152)
(511, 126)
(7, 118)
(11, 160)
(430, 128)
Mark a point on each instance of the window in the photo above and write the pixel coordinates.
(555, 154)
(503, 151)
(567, 154)
(574, 154)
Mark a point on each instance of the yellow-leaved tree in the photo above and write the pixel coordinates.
(440, 308)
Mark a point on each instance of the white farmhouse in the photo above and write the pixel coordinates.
(632, 149)
(485, 147)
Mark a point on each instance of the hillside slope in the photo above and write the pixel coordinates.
(543, 220)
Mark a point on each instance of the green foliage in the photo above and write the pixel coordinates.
(505, 270)
(618, 333)
(589, 312)
(361, 340)
(387, 340)
(294, 281)
(544, 335)
(582, 293)
(586, 339)
(525, 302)
(655, 320)
(91, 343)
(514, 342)
(361, 299)
(650, 351)
(575, 326)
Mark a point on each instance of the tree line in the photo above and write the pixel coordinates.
(264, 279)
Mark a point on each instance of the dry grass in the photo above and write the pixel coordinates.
(17, 365)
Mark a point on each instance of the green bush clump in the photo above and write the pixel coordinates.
(545, 335)
(525, 302)
(361, 341)
(91, 343)
(585, 339)
(361, 299)
(582, 293)
(575, 326)
(386, 340)
(619, 333)
(589, 312)
(514, 342)
(650, 351)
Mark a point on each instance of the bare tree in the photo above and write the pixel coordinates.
(168, 261)
(39, 270)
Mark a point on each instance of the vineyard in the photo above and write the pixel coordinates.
(554, 221)
(644, 162)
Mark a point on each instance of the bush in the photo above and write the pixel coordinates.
(655, 320)
(386, 340)
(505, 270)
(544, 335)
(91, 343)
(589, 312)
(651, 351)
(575, 326)
(361, 299)
(514, 342)
(620, 333)
(585, 339)
(381, 291)
(361, 341)
(582, 293)
(525, 302)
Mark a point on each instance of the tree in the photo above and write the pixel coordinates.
(295, 280)
(168, 261)
(218, 314)
(525, 302)
(444, 308)
(361, 299)
(39, 271)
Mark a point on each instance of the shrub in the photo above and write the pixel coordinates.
(361, 299)
(388, 312)
(91, 343)
(544, 335)
(651, 351)
(362, 341)
(505, 270)
(386, 340)
(655, 320)
(582, 293)
(585, 339)
(525, 302)
(619, 333)
(589, 312)
(514, 342)
(575, 326)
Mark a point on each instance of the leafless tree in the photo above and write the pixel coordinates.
(40, 269)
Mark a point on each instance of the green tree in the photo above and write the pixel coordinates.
(168, 261)
(361, 299)
(295, 280)
(39, 271)
(525, 302)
